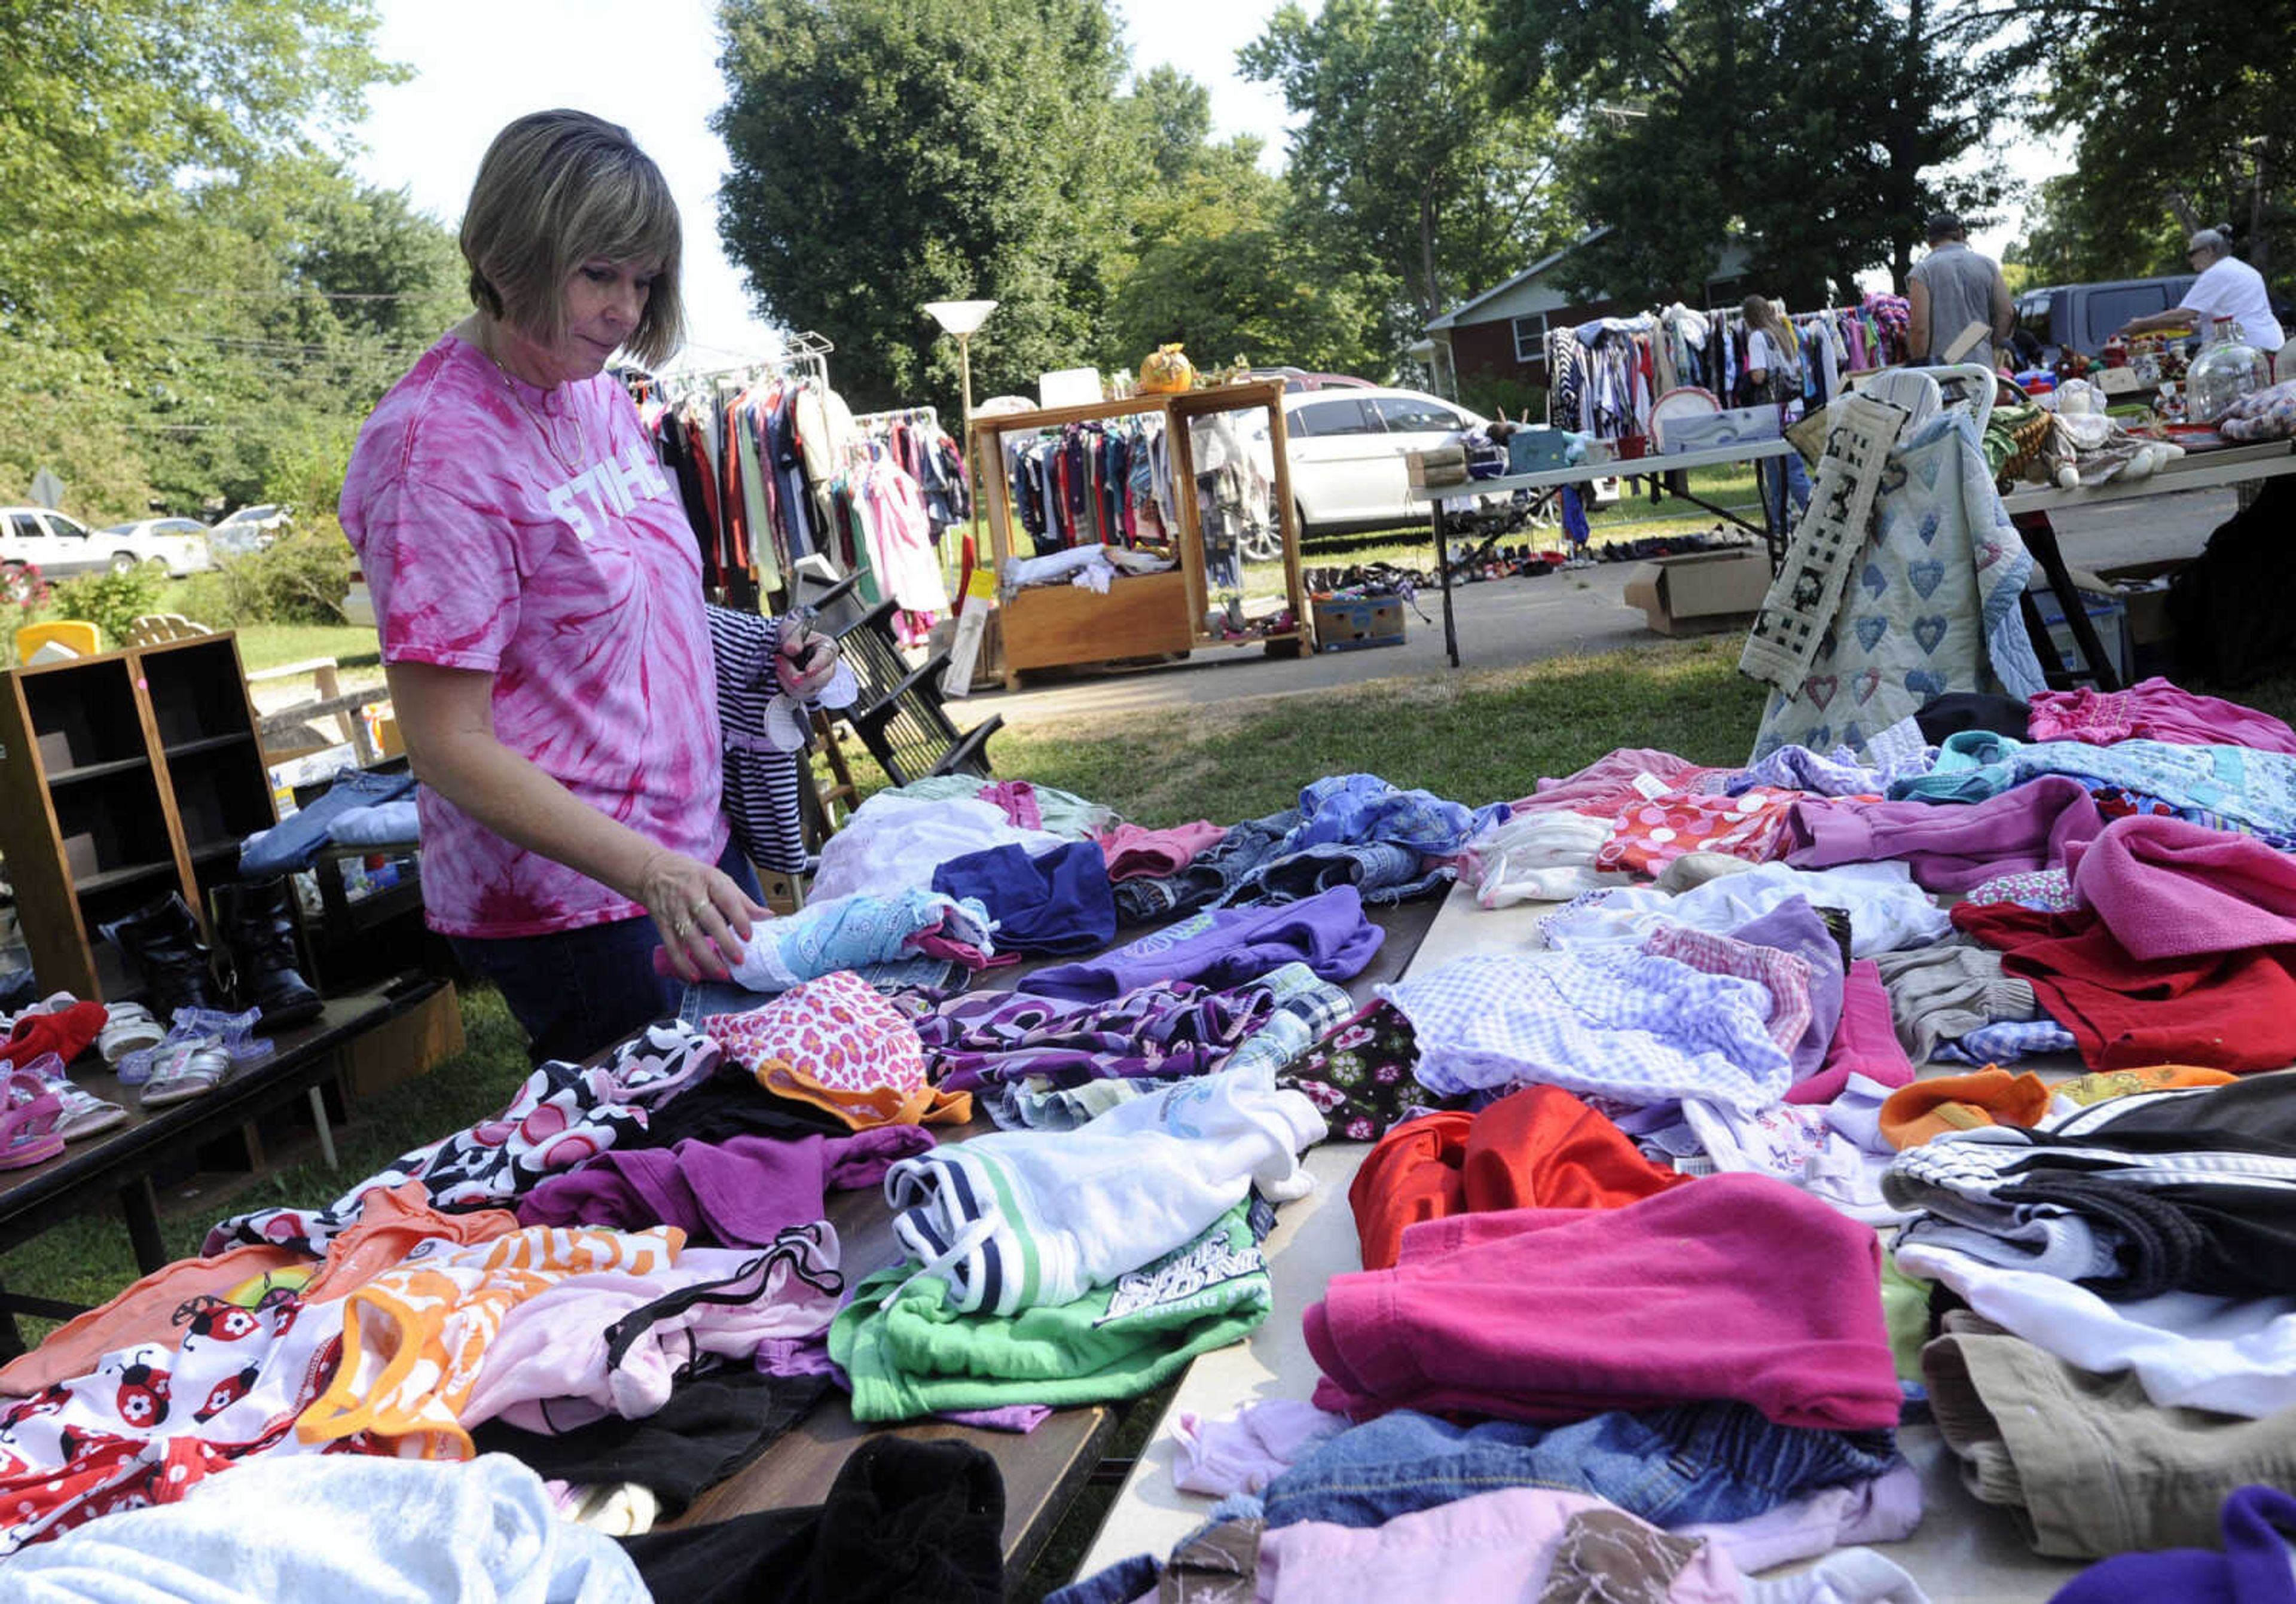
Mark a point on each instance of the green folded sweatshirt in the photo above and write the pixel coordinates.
(919, 1356)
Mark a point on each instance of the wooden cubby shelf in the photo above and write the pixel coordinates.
(109, 766)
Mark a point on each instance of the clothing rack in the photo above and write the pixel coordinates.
(899, 414)
(804, 353)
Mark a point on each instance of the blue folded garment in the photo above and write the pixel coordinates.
(384, 824)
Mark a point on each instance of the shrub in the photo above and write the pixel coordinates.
(112, 602)
(298, 578)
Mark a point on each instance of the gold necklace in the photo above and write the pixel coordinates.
(548, 439)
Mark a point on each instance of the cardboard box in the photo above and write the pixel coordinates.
(399, 1049)
(1701, 590)
(2142, 588)
(1353, 626)
(1444, 465)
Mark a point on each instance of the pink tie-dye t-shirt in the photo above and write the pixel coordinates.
(579, 591)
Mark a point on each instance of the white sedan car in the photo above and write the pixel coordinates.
(179, 544)
(1347, 450)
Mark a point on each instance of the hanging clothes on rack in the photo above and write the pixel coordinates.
(1103, 483)
(924, 451)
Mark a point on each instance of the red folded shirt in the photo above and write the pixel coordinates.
(2222, 1010)
(1537, 1147)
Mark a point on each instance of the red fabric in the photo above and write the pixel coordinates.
(2226, 1010)
(65, 1033)
(1537, 1147)
(712, 541)
(729, 497)
(1740, 1287)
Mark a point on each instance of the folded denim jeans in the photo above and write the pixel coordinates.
(293, 842)
(1694, 1463)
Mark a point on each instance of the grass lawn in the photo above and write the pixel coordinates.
(269, 645)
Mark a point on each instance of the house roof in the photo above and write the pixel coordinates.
(1455, 313)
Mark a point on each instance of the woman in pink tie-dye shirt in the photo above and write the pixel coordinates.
(537, 591)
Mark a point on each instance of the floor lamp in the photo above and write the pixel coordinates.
(961, 319)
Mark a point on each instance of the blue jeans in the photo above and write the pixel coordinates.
(1797, 483)
(578, 992)
(1120, 1583)
(1689, 1462)
(294, 841)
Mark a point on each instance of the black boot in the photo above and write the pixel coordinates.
(258, 932)
(163, 944)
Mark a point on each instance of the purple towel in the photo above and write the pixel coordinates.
(738, 1193)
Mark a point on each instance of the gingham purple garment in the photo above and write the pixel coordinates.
(1612, 1022)
(1784, 976)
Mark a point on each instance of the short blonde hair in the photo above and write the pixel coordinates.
(558, 189)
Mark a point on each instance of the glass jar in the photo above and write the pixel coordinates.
(2225, 371)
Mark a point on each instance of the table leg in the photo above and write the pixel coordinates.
(1443, 567)
(1774, 509)
(327, 1131)
(2040, 538)
(141, 1208)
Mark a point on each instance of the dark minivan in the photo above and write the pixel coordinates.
(2083, 316)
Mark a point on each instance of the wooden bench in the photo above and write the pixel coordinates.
(280, 731)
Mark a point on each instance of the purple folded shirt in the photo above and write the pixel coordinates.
(1228, 946)
(739, 1193)
(1949, 846)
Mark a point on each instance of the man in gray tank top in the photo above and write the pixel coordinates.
(1951, 288)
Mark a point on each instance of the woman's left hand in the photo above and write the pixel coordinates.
(804, 659)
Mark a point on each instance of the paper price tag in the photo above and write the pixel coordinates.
(1651, 786)
(983, 584)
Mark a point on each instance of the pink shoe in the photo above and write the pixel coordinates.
(28, 1126)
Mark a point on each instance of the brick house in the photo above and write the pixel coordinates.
(1490, 350)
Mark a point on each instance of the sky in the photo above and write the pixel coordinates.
(655, 69)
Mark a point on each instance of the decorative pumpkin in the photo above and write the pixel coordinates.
(1165, 372)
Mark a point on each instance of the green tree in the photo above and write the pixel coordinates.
(885, 153)
(2185, 114)
(162, 181)
(107, 105)
(1408, 166)
(1169, 116)
(1218, 268)
(1705, 121)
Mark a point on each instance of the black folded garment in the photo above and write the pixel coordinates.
(712, 1425)
(904, 1520)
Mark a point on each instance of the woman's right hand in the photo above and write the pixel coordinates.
(704, 919)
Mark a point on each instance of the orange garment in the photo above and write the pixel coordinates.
(1538, 1148)
(1963, 1102)
(862, 1106)
(2106, 1084)
(156, 1308)
(415, 1336)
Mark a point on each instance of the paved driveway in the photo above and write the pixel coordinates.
(1508, 623)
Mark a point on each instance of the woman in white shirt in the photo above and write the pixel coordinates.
(1774, 375)
(2228, 287)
